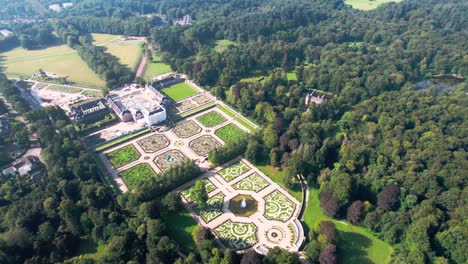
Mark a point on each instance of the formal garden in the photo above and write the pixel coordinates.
(168, 159)
(204, 144)
(251, 183)
(123, 156)
(234, 171)
(136, 174)
(188, 194)
(213, 208)
(187, 129)
(179, 91)
(229, 133)
(211, 119)
(278, 207)
(237, 235)
(154, 143)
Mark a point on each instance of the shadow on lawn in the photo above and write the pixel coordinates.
(352, 248)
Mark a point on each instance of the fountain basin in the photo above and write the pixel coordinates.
(237, 208)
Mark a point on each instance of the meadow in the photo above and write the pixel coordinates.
(222, 44)
(368, 4)
(156, 68)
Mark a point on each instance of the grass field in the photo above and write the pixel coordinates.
(65, 89)
(156, 68)
(227, 111)
(123, 156)
(211, 119)
(277, 176)
(181, 227)
(222, 44)
(368, 4)
(103, 39)
(137, 173)
(58, 59)
(244, 123)
(229, 133)
(291, 75)
(179, 91)
(128, 53)
(355, 244)
(88, 248)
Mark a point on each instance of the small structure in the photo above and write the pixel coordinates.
(55, 7)
(89, 110)
(185, 20)
(311, 98)
(5, 33)
(29, 166)
(67, 5)
(143, 104)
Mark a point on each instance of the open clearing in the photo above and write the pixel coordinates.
(368, 4)
(222, 44)
(156, 68)
(355, 244)
(102, 39)
(179, 91)
(128, 53)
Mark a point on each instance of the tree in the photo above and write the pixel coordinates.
(172, 201)
(312, 250)
(199, 193)
(356, 212)
(328, 255)
(387, 199)
(279, 255)
(251, 257)
(253, 151)
(329, 203)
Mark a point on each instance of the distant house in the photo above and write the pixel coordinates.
(185, 20)
(5, 33)
(67, 5)
(311, 98)
(29, 166)
(89, 110)
(55, 7)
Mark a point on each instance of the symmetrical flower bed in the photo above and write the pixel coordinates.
(168, 159)
(203, 145)
(213, 209)
(123, 156)
(187, 129)
(153, 143)
(237, 235)
(251, 183)
(187, 193)
(135, 174)
(278, 207)
(234, 171)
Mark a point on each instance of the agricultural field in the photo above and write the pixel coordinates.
(156, 68)
(211, 119)
(368, 4)
(179, 91)
(61, 60)
(222, 44)
(123, 156)
(137, 173)
(102, 39)
(229, 133)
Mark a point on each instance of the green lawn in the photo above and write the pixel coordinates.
(136, 174)
(180, 226)
(244, 123)
(65, 89)
(179, 91)
(123, 156)
(227, 111)
(121, 139)
(229, 133)
(355, 244)
(222, 44)
(102, 39)
(211, 119)
(156, 68)
(88, 249)
(368, 4)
